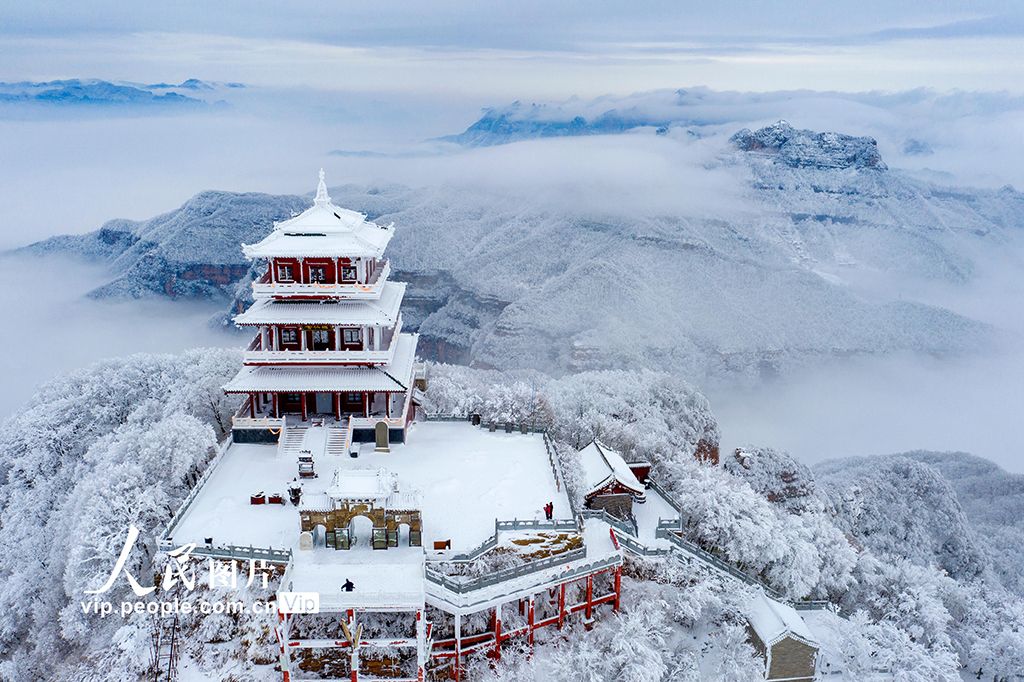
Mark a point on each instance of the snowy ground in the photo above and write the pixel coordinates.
(825, 626)
(392, 579)
(467, 476)
(647, 516)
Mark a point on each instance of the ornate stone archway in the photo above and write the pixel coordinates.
(385, 522)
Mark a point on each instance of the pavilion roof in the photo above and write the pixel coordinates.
(396, 376)
(602, 465)
(773, 620)
(323, 230)
(383, 311)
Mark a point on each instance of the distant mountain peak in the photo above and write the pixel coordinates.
(808, 149)
(92, 92)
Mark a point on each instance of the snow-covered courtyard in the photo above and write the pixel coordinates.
(467, 478)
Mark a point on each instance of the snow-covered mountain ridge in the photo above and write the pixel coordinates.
(499, 280)
(805, 148)
(191, 252)
(95, 92)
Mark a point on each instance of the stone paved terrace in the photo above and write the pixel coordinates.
(467, 477)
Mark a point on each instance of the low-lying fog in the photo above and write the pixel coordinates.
(881, 406)
(52, 328)
(64, 175)
(893, 404)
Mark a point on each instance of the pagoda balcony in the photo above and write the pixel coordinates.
(255, 354)
(354, 291)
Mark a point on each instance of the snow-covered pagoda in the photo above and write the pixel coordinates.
(329, 344)
(397, 539)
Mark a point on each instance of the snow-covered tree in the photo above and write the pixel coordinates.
(775, 475)
(91, 453)
(732, 656)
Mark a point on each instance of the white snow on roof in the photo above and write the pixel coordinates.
(383, 312)
(380, 485)
(395, 376)
(602, 465)
(323, 229)
(774, 620)
(362, 484)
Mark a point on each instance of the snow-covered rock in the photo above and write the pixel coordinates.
(191, 252)
(775, 475)
(806, 148)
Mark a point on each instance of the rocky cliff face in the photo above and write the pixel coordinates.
(808, 149)
(499, 281)
(191, 252)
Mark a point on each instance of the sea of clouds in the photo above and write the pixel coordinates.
(66, 172)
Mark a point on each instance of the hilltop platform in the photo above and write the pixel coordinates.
(466, 477)
(384, 580)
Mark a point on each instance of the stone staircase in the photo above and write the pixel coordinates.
(291, 442)
(339, 438)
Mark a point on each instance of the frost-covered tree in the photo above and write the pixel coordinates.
(138, 475)
(882, 650)
(635, 652)
(198, 390)
(644, 414)
(775, 475)
(92, 452)
(732, 656)
(901, 507)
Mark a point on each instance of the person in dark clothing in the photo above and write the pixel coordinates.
(348, 586)
(549, 510)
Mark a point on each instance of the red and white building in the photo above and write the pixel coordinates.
(328, 339)
(320, 477)
(610, 482)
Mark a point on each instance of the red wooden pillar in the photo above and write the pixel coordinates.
(282, 628)
(252, 405)
(336, 397)
(270, 271)
(497, 632)
(589, 610)
(273, 400)
(457, 668)
(561, 605)
(618, 587)
(530, 621)
(366, 404)
(351, 614)
(387, 405)
(305, 413)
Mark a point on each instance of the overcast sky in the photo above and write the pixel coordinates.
(527, 48)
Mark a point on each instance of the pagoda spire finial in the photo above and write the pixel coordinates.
(322, 197)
